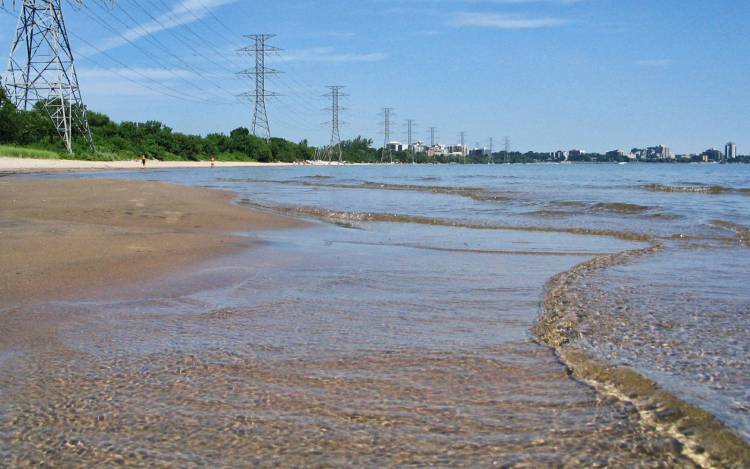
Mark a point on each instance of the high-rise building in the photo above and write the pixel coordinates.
(712, 155)
(730, 151)
(659, 152)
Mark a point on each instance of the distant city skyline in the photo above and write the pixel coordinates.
(553, 74)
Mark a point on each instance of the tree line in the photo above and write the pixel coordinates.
(34, 129)
(128, 140)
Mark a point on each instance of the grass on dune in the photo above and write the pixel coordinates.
(23, 152)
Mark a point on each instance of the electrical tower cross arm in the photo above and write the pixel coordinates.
(41, 68)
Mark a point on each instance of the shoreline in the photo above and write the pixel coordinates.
(13, 165)
(16, 165)
(704, 439)
(63, 237)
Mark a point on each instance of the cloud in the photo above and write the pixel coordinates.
(654, 62)
(427, 32)
(504, 21)
(327, 54)
(183, 13)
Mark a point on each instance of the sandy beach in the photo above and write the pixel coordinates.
(59, 237)
(26, 165)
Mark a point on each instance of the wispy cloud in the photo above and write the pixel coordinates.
(327, 54)
(654, 62)
(504, 21)
(182, 13)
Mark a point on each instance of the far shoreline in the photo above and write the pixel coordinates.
(16, 165)
(19, 165)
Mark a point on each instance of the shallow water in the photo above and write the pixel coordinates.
(399, 333)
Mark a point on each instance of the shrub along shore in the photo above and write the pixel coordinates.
(31, 134)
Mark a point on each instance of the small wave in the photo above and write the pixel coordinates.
(359, 217)
(664, 216)
(429, 179)
(706, 440)
(569, 203)
(620, 207)
(551, 213)
(474, 193)
(506, 252)
(694, 188)
(742, 232)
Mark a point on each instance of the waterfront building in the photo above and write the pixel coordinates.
(659, 152)
(457, 150)
(576, 153)
(712, 155)
(619, 154)
(559, 155)
(395, 146)
(418, 147)
(730, 151)
(436, 150)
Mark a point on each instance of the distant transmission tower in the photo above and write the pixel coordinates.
(462, 137)
(334, 148)
(260, 50)
(491, 159)
(387, 154)
(409, 133)
(41, 69)
(507, 150)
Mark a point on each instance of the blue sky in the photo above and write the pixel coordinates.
(551, 74)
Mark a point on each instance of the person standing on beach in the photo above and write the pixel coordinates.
(143, 160)
(213, 160)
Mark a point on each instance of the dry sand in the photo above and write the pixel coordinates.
(16, 165)
(60, 237)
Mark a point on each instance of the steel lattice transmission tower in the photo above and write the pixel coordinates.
(334, 148)
(491, 159)
(507, 150)
(41, 69)
(387, 123)
(260, 50)
(410, 143)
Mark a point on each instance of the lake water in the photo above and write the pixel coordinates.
(397, 329)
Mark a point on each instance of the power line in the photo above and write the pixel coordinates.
(172, 92)
(186, 7)
(159, 63)
(260, 50)
(507, 150)
(387, 123)
(41, 69)
(173, 32)
(334, 148)
(410, 129)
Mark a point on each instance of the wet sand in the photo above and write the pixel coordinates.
(60, 238)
